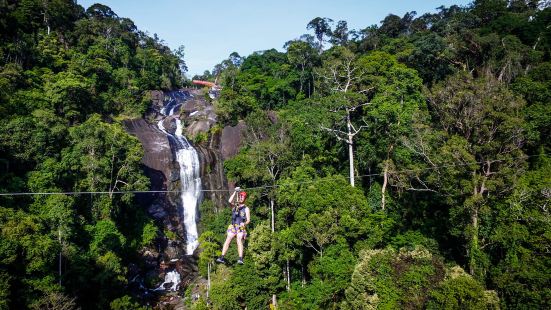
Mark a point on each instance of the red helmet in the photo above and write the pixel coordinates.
(242, 196)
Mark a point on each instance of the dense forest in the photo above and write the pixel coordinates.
(445, 121)
(67, 78)
(400, 166)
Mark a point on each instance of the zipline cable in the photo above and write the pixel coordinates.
(253, 188)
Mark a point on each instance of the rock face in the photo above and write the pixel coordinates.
(199, 116)
(231, 140)
(160, 167)
(213, 146)
(157, 152)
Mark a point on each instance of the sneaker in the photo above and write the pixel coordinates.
(240, 261)
(221, 260)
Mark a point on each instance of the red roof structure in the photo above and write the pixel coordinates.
(204, 83)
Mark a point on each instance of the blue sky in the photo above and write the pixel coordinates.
(211, 30)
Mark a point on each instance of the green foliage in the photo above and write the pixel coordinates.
(125, 303)
(224, 294)
(334, 268)
(200, 138)
(209, 249)
(150, 232)
(390, 279)
(54, 300)
(106, 237)
(462, 292)
(266, 81)
(411, 239)
(521, 274)
(214, 219)
(314, 295)
(4, 290)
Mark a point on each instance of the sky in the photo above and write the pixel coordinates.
(211, 30)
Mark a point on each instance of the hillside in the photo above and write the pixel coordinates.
(405, 165)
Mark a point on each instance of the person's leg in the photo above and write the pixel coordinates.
(240, 244)
(227, 243)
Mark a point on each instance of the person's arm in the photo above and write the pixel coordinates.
(231, 201)
(231, 198)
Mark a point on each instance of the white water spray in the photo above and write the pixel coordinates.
(171, 277)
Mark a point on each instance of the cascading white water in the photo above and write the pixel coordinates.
(171, 277)
(191, 188)
(190, 178)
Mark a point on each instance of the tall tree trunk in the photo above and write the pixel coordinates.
(60, 252)
(301, 78)
(208, 279)
(303, 280)
(473, 247)
(350, 147)
(272, 211)
(288, 277)
(385, 183)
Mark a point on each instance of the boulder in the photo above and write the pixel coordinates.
(231, 140)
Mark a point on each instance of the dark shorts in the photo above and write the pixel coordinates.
(236, 229)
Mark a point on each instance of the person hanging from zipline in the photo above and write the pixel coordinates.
(241, 217)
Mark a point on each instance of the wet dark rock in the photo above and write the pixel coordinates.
(151, 259)
(193, 105)
(174, 251)
(174, 176)
(157, 211)
(169, 124)
(157, 98)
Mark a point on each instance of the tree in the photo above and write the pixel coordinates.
(108, 158)
(459, 290)
(225, 73)
(346, 104)
(320, 211)
(182, 63)
(321, 27)
(393, 279)
(100, 11)
(339, 36)
(209, 249)
(55, 301)
(339, 76)
(304, 56)
(70, 96)
(427, 58)
(485, 143)
(395, 100)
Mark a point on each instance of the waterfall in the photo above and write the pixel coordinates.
(190, 177)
